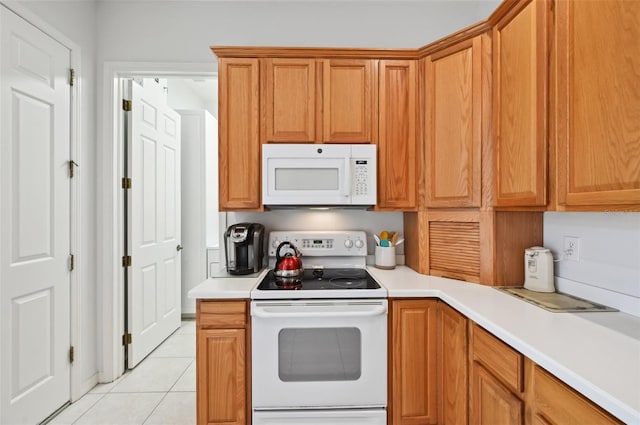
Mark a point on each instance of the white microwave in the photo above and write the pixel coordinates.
(314, 174)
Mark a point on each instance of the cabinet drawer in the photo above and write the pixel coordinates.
(559, 404)
(222, 314)
(497, 357)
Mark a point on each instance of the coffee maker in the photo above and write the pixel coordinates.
(243, 247)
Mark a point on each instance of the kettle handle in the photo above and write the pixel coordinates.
(282, 244)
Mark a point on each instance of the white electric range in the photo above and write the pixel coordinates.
(319, 342)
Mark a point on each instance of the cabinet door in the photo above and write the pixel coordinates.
(349, 90)
(453, 127)
(290, 100)
(452, 364)
(239, 149)
(519, 105)
(397, 157)
(598, 115)
(491, 402)
(560, 405)
(454, 239)
(413, 362)
(221, 387)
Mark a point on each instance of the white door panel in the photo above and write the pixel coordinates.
(154, 220)
(34, 222)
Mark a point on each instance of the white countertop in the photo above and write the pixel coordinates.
(599, 356)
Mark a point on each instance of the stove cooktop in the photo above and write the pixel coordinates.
(320, 279)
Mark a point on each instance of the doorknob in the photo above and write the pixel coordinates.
(179, 247)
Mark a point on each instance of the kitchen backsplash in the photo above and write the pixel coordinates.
(370, 222)
(608, 270)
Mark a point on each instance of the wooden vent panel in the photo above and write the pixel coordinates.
(455, 247)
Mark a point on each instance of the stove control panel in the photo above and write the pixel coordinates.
(351, 243)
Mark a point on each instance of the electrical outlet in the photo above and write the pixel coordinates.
(571, 248)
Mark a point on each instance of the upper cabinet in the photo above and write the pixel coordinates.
(453, 123)
(520, 105)
(597, 67)
(349, 95)
(239, 134)
(397, 151)
(312, 100)
(290, 100)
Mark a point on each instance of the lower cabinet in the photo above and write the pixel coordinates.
(497, 380)
(554, 403)
(222, 378)
(492, 402)
(443, 369)
(412, 362)
(452, 366)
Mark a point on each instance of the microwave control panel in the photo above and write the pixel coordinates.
(321, 243)
(363, 175)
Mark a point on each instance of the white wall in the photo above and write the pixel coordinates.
(182, 31)
(185, 93)
(77, 21)
(609, 266)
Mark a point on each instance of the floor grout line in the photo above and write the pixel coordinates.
(155, 408)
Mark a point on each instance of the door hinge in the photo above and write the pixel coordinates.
(126, 261)
(126, 182)
(72, 354)
(126, 105)
(72, 77)
(126, 339)
(72, 262)
(72, 165)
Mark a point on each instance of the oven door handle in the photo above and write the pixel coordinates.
(264, 314)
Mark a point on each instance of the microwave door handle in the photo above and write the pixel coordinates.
(264, 314)
(346, 190)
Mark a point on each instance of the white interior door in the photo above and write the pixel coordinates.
(34, 222)
(153, 220)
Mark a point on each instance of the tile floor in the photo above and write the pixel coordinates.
(159, 391)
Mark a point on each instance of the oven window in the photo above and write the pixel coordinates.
(306, 178)
(319, 354)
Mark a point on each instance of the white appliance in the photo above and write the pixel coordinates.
(322, 175)
(319, 345)
(538, 269)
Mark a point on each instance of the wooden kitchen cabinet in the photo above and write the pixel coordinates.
(554, 403)
(314, 100)
(412, 362)
(477, 246)
(597, 67)
(397, 151)
(222, 363)
(349, 99)
(520, 52)
(452, 366)
(290, 100)
(491, 402)
(239, 135)
(454, 105)
(497, 380)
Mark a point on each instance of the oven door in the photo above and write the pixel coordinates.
(319, 354)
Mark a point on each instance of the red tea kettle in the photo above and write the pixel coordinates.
(289, 264)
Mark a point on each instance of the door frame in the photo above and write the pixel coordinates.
(111, 199)
(77, 386)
